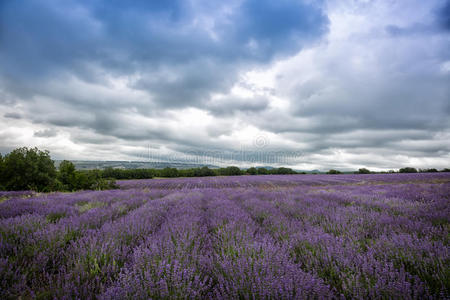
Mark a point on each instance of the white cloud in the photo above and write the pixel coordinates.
(372, 92)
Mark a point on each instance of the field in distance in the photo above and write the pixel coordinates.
(244, 237)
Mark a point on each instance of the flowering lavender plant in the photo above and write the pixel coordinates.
(246, 237)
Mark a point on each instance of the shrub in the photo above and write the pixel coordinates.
(262, 171)
(168, 172)
(252, 171)
(407, 170)
(282, 171)
(332, 171)
(32, 169)
(67, 175)
(363, 171)
(28, 169)
(432, 170)
(203, 171)
(128, 173)
(229, 171)
(1, 172)
(92, 180)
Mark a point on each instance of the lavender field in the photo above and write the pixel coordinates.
(246, 237)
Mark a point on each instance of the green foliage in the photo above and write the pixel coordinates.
(363, 171)
(91, 180)
(33, 169)
(204, 171)
(282, 171)
(192, 172)
(90, 205)
(73, 180)
(128, 173)
(274, 171)
(229, 171)
(332, 171)
(262, 171)
(28, 169)
(67, 175)
(168, 172)
(54, 217)
(429, 170)
(252, 171)
(1, 172)
(407, 170)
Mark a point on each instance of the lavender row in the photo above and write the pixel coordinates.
(209, 239)
(271, 182)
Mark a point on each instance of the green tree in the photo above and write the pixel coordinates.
(67, 175)
(110, 172)
(332, 171)
(262, 171)
(169, 172)
(363, 171)
(1, 172)
(204, 171)
(186, 172)
(407, 170)
(282, 171)
(252, 171)
(113, 173)
(230, 171)
(28, 169)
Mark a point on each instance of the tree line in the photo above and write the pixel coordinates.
(401, 170)
(33, 169)
(192, 172)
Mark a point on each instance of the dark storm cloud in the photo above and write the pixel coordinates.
(42, 41)
(55, 58)
(373, 81)
(443, 15)
(189, 84)
(277, 26)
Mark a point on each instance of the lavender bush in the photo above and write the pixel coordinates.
(246, 237)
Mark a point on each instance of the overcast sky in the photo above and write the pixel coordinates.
(307, 84)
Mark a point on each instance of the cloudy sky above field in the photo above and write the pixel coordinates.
(307, 84)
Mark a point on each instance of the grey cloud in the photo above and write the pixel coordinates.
(41, 41)
(372, 95)
(57, 61)
(96, 139)
(12, 115)
(343, 100)
(46, 133)
(415, 29)
(230, 105)
(443, 15)
(188, 84)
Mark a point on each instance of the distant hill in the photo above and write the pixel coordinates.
(98, 164)
(94, 164)
(309, 171)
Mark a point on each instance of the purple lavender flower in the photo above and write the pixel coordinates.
(245, 237)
